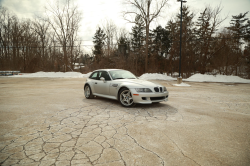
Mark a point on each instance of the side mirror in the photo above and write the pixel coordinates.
(102, 79)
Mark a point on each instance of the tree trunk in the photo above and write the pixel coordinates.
(65, 58)
(146, 49)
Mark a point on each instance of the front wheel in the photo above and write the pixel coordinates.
(87, 92)
(125, 98)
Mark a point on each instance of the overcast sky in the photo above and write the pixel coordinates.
(94, 12)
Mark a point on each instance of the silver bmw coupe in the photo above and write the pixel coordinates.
(123, 86)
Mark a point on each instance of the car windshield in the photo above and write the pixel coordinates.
(122, 74)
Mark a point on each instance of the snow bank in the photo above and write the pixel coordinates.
(155, 76)
(55, 75)
(147, 76)
(196, 78)
(182, 84)
(216, 78)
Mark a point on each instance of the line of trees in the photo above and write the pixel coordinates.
(52, 43)
(43, 44)
(205, 49)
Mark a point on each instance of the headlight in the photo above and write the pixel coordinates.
(143, 90)
(165, 89)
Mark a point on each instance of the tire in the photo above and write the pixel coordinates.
(87, 92)
(125, 98)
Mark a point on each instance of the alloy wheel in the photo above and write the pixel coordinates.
(126, 98)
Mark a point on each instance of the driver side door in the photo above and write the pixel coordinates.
(102, 87)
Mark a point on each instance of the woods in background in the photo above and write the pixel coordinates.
(42, 44)
(205, 49)
(52, 43)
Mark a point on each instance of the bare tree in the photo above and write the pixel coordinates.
(6, 21)
(41, 27)
(148, 10)
(206, 27)
(110, 30)
(65, 22)
(122, 32)
(16, 35)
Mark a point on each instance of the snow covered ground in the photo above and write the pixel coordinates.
(216, 78)
(182, 84)
(146, 76)
(156, 76)
(197, 78)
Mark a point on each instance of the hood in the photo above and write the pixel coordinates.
(138, 82)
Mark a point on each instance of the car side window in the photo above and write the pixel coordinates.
(94, 75)
(105, 75)
(99, 75)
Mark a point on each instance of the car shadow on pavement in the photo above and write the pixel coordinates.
(160, 110)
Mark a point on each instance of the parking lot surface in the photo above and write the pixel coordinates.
(48, 121)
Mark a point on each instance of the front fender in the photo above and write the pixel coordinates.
(129, 86)
(120, 88)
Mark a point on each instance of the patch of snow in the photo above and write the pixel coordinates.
(196, 78)
(182, 84)
(146, 76)
(175, 74)
(87, 75)
(216, 78)
(156, 76)
(78, 67)
(79, 64)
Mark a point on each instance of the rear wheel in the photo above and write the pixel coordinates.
(125, 98)
(87, 92)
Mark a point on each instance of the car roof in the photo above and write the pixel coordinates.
(106, 69)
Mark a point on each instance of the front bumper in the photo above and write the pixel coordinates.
(149, 98)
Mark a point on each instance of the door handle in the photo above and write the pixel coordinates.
(95, 82)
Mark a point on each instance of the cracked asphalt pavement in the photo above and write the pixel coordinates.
(48, 121)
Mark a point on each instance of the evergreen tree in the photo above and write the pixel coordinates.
(204, 33)
(239, 28)
(123, 46)
(187, 55)
(161, 39)
(98, 44)
(138, 34)
(160, 45)
(247, 48)
(137, 42)
(173, 53)
(247, 59)
(247, 32)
